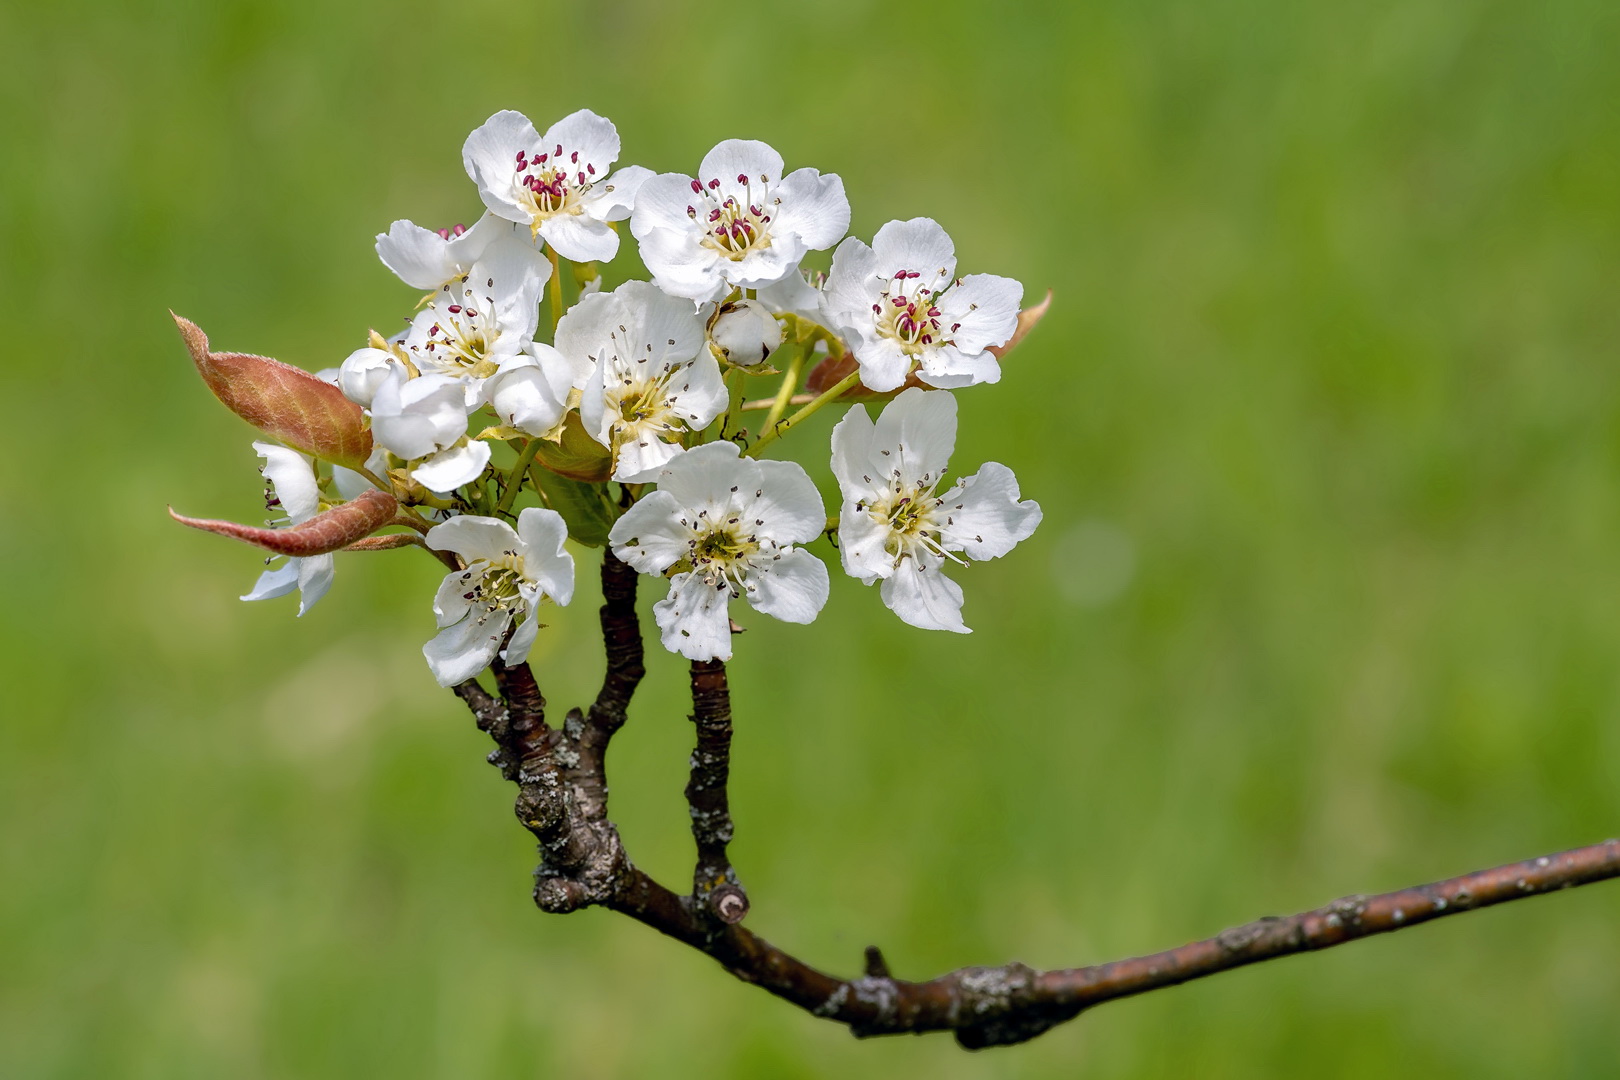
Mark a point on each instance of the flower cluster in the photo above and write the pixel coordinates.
(523, 404)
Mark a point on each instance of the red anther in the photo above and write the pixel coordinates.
(955, 326)
(898, 301)
(471, 314)
(877, 309)
(691, 211)
(927, 339)
(741, 178)
(752, 209)
(574, 157)
(459, 229)
(582, 179)
(455, 309)
(714, 185)
(933, 312)
(697, 188)
(765, 218)
(901, 276)
(542, 158)
(914, 274)
(714, 215)
(434, 330)
(444, 234)
(590, 168)
(558, 152)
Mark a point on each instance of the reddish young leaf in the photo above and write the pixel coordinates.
(328, 531)
(1026, 322)
(281, 400)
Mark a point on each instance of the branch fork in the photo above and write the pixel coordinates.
(563, 801)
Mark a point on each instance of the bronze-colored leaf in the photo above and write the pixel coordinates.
(330, 530)
(575, 454)
(283, 401)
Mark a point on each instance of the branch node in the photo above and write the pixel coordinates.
(876, 966)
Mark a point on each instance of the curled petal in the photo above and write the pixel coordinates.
(336, 528)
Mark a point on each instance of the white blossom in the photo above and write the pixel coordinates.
(508, 574)
(900, 305)
(740, 223)
(363, 371)
(730, 523)
(295, 490)
(482, 319)
(652, 377)
(530, 391)
(893, 527)
(427, 258)
(424, 420)
(746, 333)
(557, 184)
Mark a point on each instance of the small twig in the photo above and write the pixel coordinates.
(714, 882)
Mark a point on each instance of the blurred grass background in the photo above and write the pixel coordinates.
(1323, 422)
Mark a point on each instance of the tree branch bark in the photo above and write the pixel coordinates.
(714, 882)
(562, 800)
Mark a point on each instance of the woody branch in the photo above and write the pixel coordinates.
(563, 801)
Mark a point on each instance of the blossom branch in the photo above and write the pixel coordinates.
(584, 863)
(714, 882)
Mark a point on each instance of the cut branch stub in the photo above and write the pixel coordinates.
(283, 401)
(330, 530)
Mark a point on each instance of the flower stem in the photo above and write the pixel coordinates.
(556, 289)
(784, 395)
(836, 391)
(734, 390)
(514, 479)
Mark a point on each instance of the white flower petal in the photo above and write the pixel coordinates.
(546, 561)
(706, 474)
(661, 204)
(580, 238)
(985, 518)
(522, 639)
(924, 597)
(314, 578)
(449, 469)
(455, 595)
(793, 587)
(363, 372)
(862, 544)
(984, 308)
(648, 536)
(814, 208)
(276, 582)
(293, 477)
(474, 537)
(852, 456)
(740, 157)
(919, 244)
(459, 652)
(615, 197)
(883, 363)
(585, 143)
(682, 266)
(641, 459)
(948, 368)
(490, 158)
(788, 509)
(419, 257)
(918, 429)
(694, 620)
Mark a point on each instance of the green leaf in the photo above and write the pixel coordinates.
(584, 507)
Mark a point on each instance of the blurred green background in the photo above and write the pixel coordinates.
(1323, 422)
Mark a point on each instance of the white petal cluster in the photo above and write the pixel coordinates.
(740, 223)
(902, 307)
(424, 421)
(894, 528)
(652, 380)
(731, 525)
(474, 323)
(558, 184)
(508, 574)
(632, 382)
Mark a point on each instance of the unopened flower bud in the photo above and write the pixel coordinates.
(746, 333)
